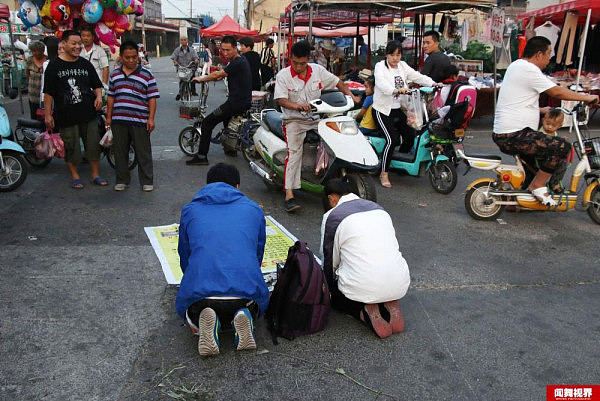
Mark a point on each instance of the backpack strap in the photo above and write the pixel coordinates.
(311, 262)
(451, 99)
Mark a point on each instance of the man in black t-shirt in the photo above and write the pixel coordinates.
(436, 61)
(253, 58)
(73, 86)
(240, 95)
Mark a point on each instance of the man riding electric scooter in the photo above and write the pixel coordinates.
(295, 87)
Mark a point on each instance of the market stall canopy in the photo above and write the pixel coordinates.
(335, 18)
(4, 11)
(227, 26)
(556, 12)
(344, 32)
(400, 6)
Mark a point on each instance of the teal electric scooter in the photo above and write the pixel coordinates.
(430, 155)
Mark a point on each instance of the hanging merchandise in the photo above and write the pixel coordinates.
(503, 53)
(464, 35)
(549, 31)
(530, 29)
(591, 50)
(487, 31)
(568, 33)
(108, 17)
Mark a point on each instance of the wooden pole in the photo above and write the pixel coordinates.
(357, 35)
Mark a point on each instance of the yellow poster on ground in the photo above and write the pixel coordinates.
(164, 240)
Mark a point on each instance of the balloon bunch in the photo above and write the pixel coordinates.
(110, 18)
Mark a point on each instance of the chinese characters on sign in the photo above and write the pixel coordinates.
(497, 27)
(572, 393)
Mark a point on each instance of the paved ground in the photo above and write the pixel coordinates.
(495, 311)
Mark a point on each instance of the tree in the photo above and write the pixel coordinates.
(205, 20)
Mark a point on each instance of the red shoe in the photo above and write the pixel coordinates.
(396, 318)
(374, 319)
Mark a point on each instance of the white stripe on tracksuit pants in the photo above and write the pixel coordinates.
(397, 132)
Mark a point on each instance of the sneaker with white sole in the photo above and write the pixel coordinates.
(148, 188)
(121, 187)
(243, 325)
(208, 332)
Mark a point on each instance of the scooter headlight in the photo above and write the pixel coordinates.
(343, 127)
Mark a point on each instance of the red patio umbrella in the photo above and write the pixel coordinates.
(227, 26)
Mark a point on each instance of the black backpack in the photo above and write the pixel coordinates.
(300, 301)
(458, 116)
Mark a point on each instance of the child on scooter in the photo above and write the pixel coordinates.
(367, 124)
(551, 122)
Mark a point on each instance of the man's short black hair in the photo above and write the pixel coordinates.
(338, 186)
(128, 44)
(534, 45)
(88, 28)
(434, 35)
(301, 49)
(247, 41)
(270, 41)
(222, 172)
(69, 32)
(229, 39)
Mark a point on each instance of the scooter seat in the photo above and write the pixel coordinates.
(29, 123)
(483, 156)
(274, 123)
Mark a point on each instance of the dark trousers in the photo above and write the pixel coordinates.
(123, 135)
(224, 308)
(347, 306)
(221, 114)
(396, 132)
(33, 106)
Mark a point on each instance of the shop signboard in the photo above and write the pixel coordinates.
(497, 26)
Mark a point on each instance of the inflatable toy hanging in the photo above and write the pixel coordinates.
(108, 17)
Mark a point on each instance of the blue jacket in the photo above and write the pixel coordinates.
(221, 245)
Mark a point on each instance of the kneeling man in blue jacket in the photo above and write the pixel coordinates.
(221, 245)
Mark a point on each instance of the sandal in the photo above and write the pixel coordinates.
(542, 195)
(77, 183)
(100, 181)
(385, 180)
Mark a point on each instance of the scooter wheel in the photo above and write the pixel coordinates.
(480, 205)
(131, 162)
(14, 172)
(594, 208)
(442, 176)
(189, 141)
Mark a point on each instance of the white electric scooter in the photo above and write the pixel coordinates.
(336, 149)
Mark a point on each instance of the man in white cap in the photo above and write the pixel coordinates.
(330, 56)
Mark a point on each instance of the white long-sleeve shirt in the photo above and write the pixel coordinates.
(366, 257)
(389, 79)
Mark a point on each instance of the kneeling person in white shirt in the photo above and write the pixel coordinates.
(364, 267)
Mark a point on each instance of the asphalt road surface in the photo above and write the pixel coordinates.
(496, 310)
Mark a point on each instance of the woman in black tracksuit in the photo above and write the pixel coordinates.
(392, 77)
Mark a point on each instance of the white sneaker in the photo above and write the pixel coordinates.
(208, 332)
(243, 326)
(121, 187)
(148, 188)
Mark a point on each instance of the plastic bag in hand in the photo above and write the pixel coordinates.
(107, 139)
(58, 146)
(43, 146)
(322, 160)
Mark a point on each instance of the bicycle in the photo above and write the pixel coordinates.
(189, 137)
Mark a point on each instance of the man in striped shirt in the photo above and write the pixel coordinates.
(132, 94)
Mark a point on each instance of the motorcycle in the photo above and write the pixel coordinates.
(335, 149)
(189, 137)
(13, 169)
(486, 198)
(27, 130)
(185, 75)
(433, 154)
